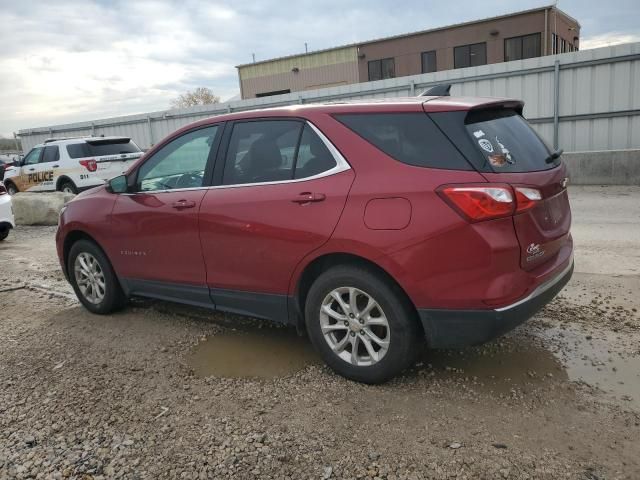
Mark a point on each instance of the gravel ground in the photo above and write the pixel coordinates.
(84, 396)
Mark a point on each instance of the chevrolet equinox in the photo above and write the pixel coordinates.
(375, 226)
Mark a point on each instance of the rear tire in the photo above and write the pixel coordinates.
(93, 278)
(4, 234)
(351, 306)
(68, 186)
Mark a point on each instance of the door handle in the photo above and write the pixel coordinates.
(31, 169)
(181, 204)
(56, 166)
(308, 197)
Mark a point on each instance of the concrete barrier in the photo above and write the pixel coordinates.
(39, 208)
(611, 167)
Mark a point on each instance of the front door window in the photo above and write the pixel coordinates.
(179, 164)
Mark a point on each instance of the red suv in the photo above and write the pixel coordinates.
(374, 226)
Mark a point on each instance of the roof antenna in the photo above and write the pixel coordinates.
(442, 90)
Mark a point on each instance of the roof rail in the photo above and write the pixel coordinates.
(442, 90)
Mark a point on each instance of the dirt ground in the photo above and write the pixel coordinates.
(164, 391)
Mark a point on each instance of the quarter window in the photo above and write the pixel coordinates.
(470, 55)
(410, 138)
(382, 69)
(179, 164)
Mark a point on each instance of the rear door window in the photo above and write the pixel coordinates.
(411, 138)
(262, 151)
(507, 142)
(99, 148)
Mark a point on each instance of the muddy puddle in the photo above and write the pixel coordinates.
(601, 360)
(520, 361)
(499, 367)
(259, 353)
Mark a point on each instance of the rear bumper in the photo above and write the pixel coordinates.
(458, 328)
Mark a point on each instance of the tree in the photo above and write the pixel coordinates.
(198, 96)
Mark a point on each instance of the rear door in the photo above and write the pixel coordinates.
(507, 150)
(281, 191)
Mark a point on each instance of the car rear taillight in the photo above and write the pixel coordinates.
(477, 203)
(90, 165)
(485, 202)
(526, 198)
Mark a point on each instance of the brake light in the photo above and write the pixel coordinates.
(477, 203)
(90, 165)
(526, 198)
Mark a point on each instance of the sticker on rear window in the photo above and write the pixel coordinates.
(485, 145)
(478, 134)
(505, 152)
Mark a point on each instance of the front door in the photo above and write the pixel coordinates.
(156, 246)
(26, 181)
(282, 192)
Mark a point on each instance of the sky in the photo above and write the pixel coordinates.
(64, 61)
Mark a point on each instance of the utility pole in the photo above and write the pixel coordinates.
(253, 55)
(305, 48)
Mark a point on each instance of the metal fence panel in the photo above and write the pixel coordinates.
(598, 100)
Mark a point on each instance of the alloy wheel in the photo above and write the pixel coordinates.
(90, 278)
(354, 326)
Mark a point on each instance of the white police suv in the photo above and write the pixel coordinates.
(7, 221)
(71, 164)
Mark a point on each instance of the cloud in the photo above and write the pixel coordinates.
(75, 60)
(608, 39)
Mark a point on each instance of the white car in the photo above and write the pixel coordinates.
(71, 164)
(7, 221)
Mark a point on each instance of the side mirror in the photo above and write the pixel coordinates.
(118, 184)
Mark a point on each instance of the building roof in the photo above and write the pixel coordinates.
(411, 34)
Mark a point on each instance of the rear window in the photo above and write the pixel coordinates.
(411, 138)
(101, 148)
(507, 142)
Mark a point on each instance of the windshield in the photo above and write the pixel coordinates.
(507, 142)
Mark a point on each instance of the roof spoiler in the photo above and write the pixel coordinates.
(442, 90)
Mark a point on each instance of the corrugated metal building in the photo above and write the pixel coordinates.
(517, 36)
(581, 101)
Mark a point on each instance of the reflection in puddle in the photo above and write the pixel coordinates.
(497, 366)
(599, 362)
(263, 353)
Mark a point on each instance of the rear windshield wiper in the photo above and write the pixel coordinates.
(554, 156)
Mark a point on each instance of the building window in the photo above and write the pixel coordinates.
(470, 55)
(275, 92)
(519, 48)
(554, 43)
(381, 69)
(564, 46)
(429, 62)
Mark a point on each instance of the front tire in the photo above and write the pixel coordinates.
(4, 234)
(11, 188)
(93, 278)
(361, 324)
